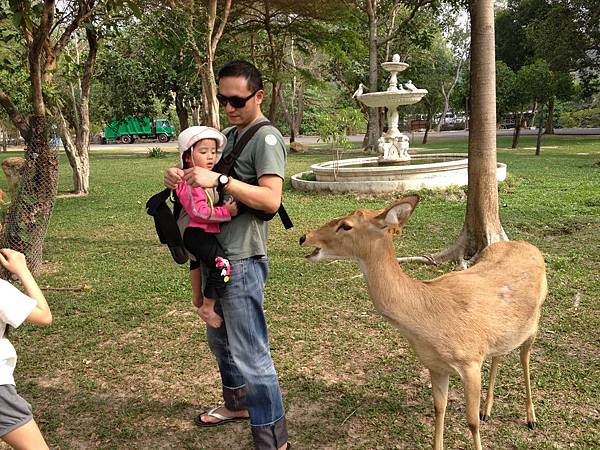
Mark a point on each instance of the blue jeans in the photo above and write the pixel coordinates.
(241, 347)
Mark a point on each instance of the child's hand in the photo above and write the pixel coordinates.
(232, 208)
(13, 261)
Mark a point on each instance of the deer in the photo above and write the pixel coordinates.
(453, 322)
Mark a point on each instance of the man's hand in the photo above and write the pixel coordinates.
(199, 177)
(173, 176)
(13, 261)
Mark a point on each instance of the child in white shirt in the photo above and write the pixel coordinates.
(17, 426)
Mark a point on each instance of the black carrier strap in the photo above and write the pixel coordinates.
(165, 222)
(227, 163)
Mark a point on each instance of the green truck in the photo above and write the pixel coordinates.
(128, 129)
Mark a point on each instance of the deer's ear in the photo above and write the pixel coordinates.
(398, 212)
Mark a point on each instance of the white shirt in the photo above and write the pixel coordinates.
(15, 307)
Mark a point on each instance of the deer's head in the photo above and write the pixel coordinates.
(351, 236)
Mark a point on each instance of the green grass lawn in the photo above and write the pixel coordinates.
(125, 364)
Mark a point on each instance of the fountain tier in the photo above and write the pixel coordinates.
(368, 175)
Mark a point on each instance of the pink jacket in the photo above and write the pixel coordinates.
(198, 203)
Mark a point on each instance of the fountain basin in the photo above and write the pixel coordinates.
(392, 98)
(366, 175)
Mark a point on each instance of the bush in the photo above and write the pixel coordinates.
(585, 118)
(156, 152)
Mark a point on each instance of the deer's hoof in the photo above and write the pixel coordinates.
(484, 417)
(532, 425)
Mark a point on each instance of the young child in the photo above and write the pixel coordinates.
(17, 427)
(200, 147)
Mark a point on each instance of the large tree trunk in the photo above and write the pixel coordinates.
(28, 216)
(27, 219)
(482, 221)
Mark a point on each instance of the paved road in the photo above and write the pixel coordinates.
(415, 137)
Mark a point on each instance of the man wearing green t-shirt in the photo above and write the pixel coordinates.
(241, 346)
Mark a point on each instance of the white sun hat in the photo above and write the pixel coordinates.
(188, 137)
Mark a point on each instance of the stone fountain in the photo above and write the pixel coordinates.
(394, 170)
(393, 145)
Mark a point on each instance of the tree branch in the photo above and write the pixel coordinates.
(14, 114)
(84, 12)
(393, 33)
(221, 28)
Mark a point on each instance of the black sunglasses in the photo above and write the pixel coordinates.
(235, 101)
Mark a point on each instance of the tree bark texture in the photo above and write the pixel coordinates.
(27, 219)
(482, 221)
(78, 160)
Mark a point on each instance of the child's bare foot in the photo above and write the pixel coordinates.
(208, 314)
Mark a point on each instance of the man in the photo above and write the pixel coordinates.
(240, 345)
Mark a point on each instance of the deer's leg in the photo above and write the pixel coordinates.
(489, 399)
(524, 355)
(471, 377)
(439, 390)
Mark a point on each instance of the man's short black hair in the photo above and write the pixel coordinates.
(240, 68)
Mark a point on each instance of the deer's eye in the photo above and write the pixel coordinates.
(344, 226)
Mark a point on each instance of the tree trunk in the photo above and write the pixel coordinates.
(373, 128)
(442, 120)
(482, 222)
(533, 113)
(4, 131)
(276, 87)
(209, 96)
(550, 120)
(288, 117)
(182, 112)
(300, 111)
(27, 219)
(517, 132)
(78, 158)
(426, 134)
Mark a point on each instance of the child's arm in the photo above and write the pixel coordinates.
(15, 263)
(196, 204)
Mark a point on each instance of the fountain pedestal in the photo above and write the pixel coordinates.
(393, 145)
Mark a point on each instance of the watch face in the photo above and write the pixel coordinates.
(223, 179)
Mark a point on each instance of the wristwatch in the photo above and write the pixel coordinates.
(222, 181)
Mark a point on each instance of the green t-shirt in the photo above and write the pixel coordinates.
(265, 154)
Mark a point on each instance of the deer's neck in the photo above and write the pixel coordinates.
(395, 295)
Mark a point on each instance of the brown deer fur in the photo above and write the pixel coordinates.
(12, 168)
(455, 321)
